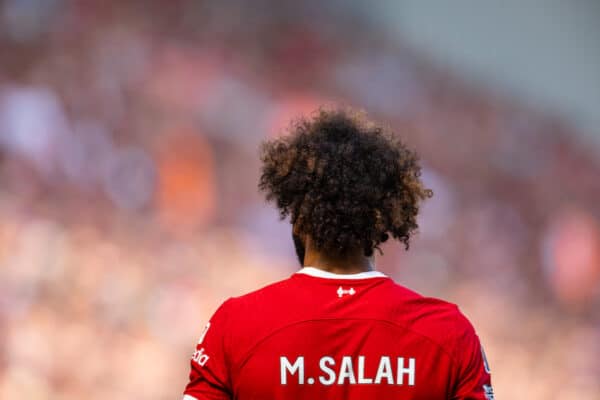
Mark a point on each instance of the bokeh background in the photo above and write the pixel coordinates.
(128, 168)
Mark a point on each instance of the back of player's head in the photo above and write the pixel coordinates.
(344, 181)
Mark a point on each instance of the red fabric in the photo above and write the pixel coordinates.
(304, 338)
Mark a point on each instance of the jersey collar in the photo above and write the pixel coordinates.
(319, 273)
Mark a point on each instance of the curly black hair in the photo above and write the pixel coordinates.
(344, 181)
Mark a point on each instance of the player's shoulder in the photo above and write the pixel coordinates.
(257, 298)
(440, 320)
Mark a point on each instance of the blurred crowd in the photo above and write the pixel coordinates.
(129, 136)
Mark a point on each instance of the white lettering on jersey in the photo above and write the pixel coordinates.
(351, 371)
(204, 333)
(323, 365)
(361, 372)
(346, 371)
(286, 366)
(384, 370)
(199, 357)
(402, 370)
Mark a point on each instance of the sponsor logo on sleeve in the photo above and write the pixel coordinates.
(203, 334)
(489, 392)
(486, 365)
(199, 356)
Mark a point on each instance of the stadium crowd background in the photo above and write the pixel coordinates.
(129, 209)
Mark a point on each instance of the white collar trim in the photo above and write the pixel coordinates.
(319, 273)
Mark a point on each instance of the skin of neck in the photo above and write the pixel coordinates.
(353, 262)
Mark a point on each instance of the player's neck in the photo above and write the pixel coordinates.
(352, 263)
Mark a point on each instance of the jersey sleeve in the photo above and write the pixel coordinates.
(209, 374)
(473, 379)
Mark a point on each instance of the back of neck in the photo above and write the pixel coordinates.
(351, 263)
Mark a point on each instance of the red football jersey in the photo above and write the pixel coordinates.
(319, 335)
